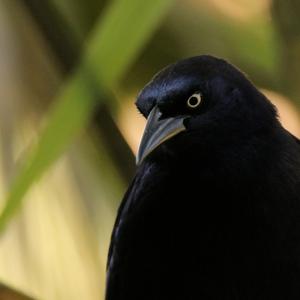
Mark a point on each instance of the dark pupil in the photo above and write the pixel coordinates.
(193, 101)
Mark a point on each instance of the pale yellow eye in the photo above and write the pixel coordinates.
(194, 101)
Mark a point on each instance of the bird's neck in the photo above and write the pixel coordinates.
(236, 155)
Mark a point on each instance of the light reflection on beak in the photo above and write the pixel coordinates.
(157, 131)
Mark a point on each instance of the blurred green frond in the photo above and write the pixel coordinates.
(115, 43)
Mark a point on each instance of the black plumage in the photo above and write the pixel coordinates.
(214, 209)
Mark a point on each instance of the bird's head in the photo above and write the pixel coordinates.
(198, 100)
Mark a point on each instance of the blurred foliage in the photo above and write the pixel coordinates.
(70, 68)
(286, 19)
(103, 65)
(7, 293)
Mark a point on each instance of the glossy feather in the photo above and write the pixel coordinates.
(214, 212)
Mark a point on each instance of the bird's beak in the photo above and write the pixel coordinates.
(158, 131)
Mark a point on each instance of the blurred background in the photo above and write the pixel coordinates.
(69, 74)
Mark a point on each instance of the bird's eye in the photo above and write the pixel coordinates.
(195, 100)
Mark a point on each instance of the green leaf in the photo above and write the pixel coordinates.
(128, 26)
(115, 43)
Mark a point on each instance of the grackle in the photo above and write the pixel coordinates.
(214, 209)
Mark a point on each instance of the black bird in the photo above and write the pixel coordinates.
(214, 209)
